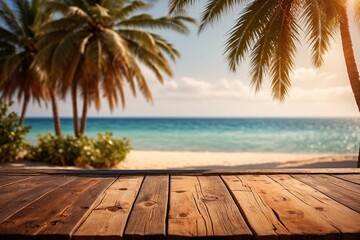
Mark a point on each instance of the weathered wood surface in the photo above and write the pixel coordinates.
(148, 217)
(258, 214)
(267, 206)
(202, 206)
(109, 216)
(345, 196)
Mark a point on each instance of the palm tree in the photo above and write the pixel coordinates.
(96, 47)
(17, 49)
(269, 29)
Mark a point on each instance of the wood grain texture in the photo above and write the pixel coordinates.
(108, 218)
(8, 180)
(56, 214)
(216, 172)
(347, 221)
(202, 207)
(340, 182)
(148, 217)
(257, 213)
(16, 196)
(354, 178)
(297, 217)
(340, 194)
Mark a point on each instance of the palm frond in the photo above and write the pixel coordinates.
(178, 6)
(283, 52)
(247, 30)
(261, 54)
(8, 17)
(123, 12)
(147, 21)
(357, 12)
(214, 10)
(318, 28)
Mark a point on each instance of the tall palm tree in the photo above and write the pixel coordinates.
(19, 24)
(98, 46)
(269, 29)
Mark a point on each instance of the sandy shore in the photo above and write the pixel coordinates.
(243, 160)
(147, 160)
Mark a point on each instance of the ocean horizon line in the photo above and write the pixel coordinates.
(200, 117)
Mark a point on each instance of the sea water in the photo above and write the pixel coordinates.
(280, 135)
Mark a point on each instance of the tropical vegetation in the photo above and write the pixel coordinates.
(83, 151)
(90, 49)
(17, 52)
(12, 134)
(97, 47)
(267, 31)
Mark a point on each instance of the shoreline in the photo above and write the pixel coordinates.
(187, 160)
(242, 160)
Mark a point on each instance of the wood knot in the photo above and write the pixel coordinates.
(279, 199)
(123, 189)
(295, 213)
(114, 208)
(55, 222)
(180, 191)
(183, 215)
(319, 208)
(149, 204)
(210, 198)
(235, 180)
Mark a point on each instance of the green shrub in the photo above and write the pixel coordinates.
(11, 134)
(103, 152)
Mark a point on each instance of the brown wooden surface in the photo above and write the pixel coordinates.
(8, 180)
(297, 217)
(202, 206)
(338, 193)
(14, 197)
(148, 217)
(339, 216)
(113, 207)
(268, 206)
(258, 214)
(349, 177)
(55, 214)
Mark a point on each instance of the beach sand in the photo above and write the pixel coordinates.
(225, 160)
(147, 160)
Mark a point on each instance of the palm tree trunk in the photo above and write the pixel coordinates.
(84, 113)
(24, 108)
(75, 111)
(350, 61)
(56, 118)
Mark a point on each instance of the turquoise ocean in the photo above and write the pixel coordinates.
(278, 135)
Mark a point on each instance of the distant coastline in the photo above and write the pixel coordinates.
(272, 135)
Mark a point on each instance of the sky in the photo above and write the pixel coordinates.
(203, 86)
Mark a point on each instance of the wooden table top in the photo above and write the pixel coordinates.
(282, 204)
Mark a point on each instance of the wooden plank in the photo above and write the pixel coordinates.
(354, 178)
(148, 217)
(202, 207)
(342, 195)
(257, 213)
(339, 216)
(8, 180)
(16, 196)
(339, 182)
(216, 172)
(108, 218)
(55, 215)
(188, 216)
(296, 216)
